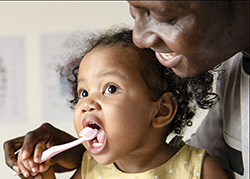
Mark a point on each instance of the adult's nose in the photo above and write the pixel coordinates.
(144, 38)
(143, 31)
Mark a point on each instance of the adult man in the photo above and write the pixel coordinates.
(189, 37)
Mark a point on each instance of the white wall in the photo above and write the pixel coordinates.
(31, 20)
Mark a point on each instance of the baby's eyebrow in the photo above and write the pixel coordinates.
(80, 80)
(112, 73)
(104, 74)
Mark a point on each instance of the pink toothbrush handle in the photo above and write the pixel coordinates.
(52, 151)
(87, 134)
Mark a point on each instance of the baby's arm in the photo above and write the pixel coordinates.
(212, 170)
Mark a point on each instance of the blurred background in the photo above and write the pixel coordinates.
(32, 35)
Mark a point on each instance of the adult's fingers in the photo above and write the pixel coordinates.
(50, 136)
(10, 149)
(39, 148)
(41, 134)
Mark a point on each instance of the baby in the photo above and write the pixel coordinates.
(135, 103)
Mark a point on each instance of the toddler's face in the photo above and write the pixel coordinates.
(113, 98)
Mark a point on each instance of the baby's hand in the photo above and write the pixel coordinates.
(28, 166)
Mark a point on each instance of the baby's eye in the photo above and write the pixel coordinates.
(111, 89)
(83, 94)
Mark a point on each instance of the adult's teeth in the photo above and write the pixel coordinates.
(168, 56)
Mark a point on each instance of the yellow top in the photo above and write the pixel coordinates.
(185, 164)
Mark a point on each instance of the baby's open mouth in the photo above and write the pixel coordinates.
(100, 139)
(94, 126)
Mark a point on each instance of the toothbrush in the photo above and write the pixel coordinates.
(87, 134)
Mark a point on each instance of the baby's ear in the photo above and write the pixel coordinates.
(167, 108)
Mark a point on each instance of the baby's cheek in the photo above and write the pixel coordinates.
(77, 120)
(85, 144)
(78, 126)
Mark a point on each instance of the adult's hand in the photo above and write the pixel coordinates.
(49, 135)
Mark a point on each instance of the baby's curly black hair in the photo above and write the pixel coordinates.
(158, 78)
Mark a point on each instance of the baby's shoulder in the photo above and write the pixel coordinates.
(212, 169)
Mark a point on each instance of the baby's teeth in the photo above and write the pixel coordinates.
(97, 144)
(168, 56)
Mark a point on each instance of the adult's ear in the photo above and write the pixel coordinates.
(167, 108)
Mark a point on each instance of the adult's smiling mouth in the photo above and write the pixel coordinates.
(170, 60)
(168, 56)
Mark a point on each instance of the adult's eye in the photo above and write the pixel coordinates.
(83, 94)
(170, 21)
(163, 18)
(110, 89)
